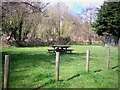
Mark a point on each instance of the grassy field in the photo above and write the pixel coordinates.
(34, 67)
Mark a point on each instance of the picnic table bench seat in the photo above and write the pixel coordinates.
(51, 50)
(61, 50)
(70, 50)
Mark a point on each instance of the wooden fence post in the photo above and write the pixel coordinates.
(57, 65)
(87, 60)
(108, 59)
(6, 71)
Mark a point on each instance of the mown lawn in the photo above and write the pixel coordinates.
(34, 67)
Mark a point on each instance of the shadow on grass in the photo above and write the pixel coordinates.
(32, 59)
(73, 57)
(40, 56)
(73, 54)
(78, 55)
(97, 70)
(26, 56)
(84, 73)
(27, 61)
(115, 67)
(47, 83)
(77, 75)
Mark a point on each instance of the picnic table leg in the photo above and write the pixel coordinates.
(54, 49)
(57, 49)
(62, 50)
(66, 50)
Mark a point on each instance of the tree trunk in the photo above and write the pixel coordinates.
(90, 41)
(118, 41)
(13, 34)
(20, 32)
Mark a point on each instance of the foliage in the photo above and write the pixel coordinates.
(18, 22)
(108, 19)
(23, 21)
(34, 67)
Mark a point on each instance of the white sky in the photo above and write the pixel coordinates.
(77, 5)
(74, 5)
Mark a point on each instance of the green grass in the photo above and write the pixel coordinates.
(34, 67)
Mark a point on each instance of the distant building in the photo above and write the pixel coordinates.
(111, 41)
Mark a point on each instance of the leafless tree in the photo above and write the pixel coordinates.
(15, 15)
(88, 16)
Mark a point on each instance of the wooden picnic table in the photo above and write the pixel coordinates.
(61, 48)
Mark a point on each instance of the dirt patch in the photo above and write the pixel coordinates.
(4, 44)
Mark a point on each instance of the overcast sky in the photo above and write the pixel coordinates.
(77, 5)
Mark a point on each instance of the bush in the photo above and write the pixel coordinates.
(33, 42)
(63, 40)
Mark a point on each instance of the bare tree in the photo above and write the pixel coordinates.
(89, 15)
(14, 16)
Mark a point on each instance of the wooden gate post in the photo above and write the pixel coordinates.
(87, 60)
(108, 59)
(6, 71)
(57, 65)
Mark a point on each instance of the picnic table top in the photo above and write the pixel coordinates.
(60, 45)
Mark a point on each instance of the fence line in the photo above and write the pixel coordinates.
(7, 65)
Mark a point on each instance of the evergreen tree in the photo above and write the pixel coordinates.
(108, 20)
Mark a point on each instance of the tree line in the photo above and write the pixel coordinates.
(38, 23)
